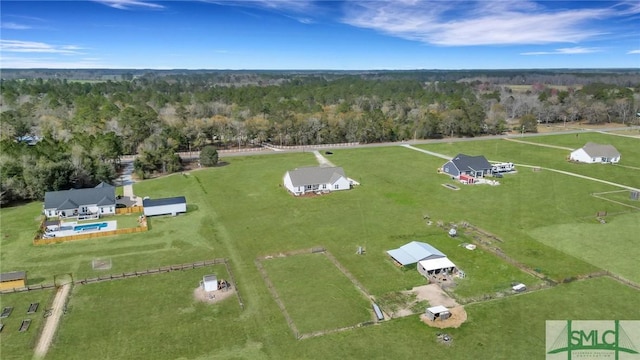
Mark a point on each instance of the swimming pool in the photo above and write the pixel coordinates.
(87, 227)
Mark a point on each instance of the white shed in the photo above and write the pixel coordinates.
(436, 312)
(165, 206)
(210, 283)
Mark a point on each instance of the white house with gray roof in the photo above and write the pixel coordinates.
(592, 153)
(316, 179)
(100, 200)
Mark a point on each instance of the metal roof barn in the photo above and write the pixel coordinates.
(413, 252)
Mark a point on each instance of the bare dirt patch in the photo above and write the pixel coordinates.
(51, 323)
(212, 297)
(431, 295)
(458, 316)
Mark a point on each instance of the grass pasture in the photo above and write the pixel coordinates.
(612, 246)
(544, 220)
(155, 316)
(15, 344)
(317, 296)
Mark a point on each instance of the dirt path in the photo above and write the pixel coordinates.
(435, 296)
(538, 144)
(322, 160)
(426, 152)
(51, 324)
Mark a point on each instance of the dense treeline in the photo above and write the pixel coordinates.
(84, 127)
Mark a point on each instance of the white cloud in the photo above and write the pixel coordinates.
(454, 23)
(637, 51)
(565, 51)
(14, 26)
(289, 8)
(128, 4)
(11, 62)
(20, 46)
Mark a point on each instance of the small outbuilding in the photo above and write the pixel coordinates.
(13, 280)
(438, 312)
(592, 153)
(165, 206)
(210, 283)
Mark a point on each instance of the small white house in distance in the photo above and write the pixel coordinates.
(166, 206)
(592, 153)
(313, 179)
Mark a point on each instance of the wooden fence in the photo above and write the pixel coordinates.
(129, 210)
(56, 240)
(28, 288)
(137, 273)
(159, 270)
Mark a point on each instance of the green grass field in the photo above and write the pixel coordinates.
(317, 296)
(545, 220)
(599, 244)
(20, 345)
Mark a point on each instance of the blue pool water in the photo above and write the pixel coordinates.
(85, 227)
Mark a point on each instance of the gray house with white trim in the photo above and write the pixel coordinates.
(476, 166)
(100, 200)
(315, 179)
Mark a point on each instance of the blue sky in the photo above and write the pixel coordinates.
(331, 35)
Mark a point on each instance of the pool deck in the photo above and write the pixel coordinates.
(111, 225)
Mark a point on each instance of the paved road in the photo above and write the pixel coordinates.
(426, 141)
(272, 151)
(538, 144)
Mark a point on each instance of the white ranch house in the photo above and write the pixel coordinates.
(592, 153)
(316, 179)
(100, 200)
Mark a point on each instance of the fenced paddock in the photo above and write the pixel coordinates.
(159, 314)
(314, 295)
(620, 197)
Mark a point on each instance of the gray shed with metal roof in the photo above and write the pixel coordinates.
(165, 206)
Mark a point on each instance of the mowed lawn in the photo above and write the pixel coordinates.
(317, 296)
(152, 317)
(612, 246)
(240, 211)
(550, 200)
(20, 345)
(170, 240)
